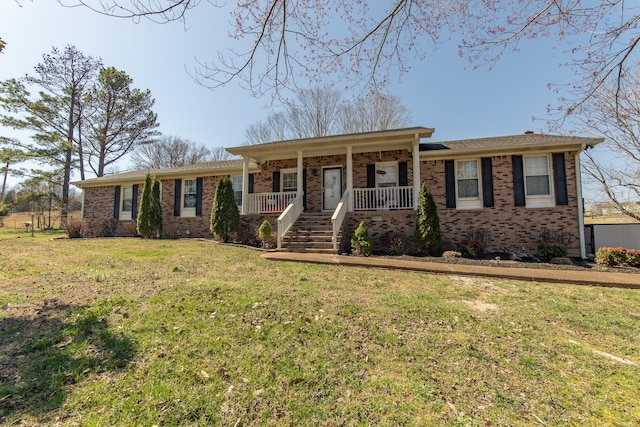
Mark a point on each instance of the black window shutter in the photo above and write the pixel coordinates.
(403, 178)
(276, 181)
(199, 197)
(371, 176)
(518, 181)
(177, 197)
(450, 183)
(134, 201)
(560, 179)
(116, 203)
(251, 182)
(487, 182)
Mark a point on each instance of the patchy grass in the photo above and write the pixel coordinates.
(189, 332)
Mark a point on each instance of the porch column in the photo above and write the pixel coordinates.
(299, 181)
(350, 178)
(245, 184)
(416, 170)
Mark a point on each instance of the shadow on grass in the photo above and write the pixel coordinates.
(43, 355)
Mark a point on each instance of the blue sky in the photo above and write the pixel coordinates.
(441, 91)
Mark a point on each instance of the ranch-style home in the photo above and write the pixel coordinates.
(315, 191)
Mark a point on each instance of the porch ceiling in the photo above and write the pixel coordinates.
(331, 145)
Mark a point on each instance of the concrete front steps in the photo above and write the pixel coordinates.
(312, 232)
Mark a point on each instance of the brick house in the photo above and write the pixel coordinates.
(315, 191)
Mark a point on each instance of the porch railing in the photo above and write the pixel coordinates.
(338, 218)
(269, 202)
(367, 199)
(289, 217)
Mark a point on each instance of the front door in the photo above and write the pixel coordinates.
(331, 188)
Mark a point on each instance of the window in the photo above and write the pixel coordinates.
(536, 170)
(189, 197)
(126, 208)
(386, 174)
(289, 181)
(467, 179)
(467, 184)
(237, 189)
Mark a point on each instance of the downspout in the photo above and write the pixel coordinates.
(578, 167)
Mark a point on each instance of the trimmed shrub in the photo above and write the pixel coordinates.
(360, 242)
(150, 215)
(107, 227)
(4, 209)
(265, 232)
(225, 216)
(618, 257)
(467, 250)
(552, 250)
(426, 236)
(74, 228)
(392, 243)
(132, 228)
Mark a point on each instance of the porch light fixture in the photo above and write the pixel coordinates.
(314, 172)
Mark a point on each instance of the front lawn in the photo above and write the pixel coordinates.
(128, 331)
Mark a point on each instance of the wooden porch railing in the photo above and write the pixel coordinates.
(289, 217)
(367, 199)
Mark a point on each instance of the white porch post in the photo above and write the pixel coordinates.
(299, 181)
(350, 178)
(416, 171)
(245, 184)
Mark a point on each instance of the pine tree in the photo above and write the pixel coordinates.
(144, 215)
(360, 242)
(427, 237)
(225, 216)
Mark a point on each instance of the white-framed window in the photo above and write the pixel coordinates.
(289, 180)
(189, 197)
(468, 184)
(237, 189)
(126, 204)
(386, 174)
(537, 181)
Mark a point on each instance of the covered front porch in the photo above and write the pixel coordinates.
(375, 171)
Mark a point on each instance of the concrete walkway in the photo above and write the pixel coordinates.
(586, 277)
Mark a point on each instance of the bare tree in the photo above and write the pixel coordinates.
(219, 153)
(316, 112)
(614, 114)
(273, 128)
(374, 112)
(322, 111)
(170, 152)
(278, 41)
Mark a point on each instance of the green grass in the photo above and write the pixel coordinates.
(143, 332)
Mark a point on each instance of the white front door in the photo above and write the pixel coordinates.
(331, 188)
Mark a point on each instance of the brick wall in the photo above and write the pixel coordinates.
(508, 225)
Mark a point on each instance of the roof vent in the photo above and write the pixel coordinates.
(528, 132)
